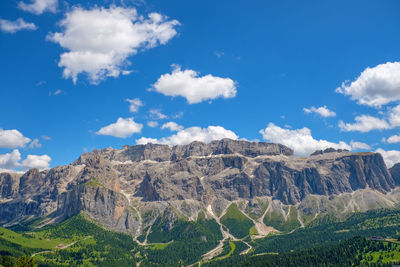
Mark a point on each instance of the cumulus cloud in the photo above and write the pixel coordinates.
(358, 145)
(392, 139)
(375, 86)
(35, 161)
(10, 161)
(301, 140)
(172, 126)
(156, 114)
(39, 6)
(134, 104)
(391, 157)
(12, 139)
(99, 40)
(186, 136)
(322, 111)
(394, 116)
(195, 88)
(152, 124)
(17, 25)
(146, 140)
(365, 123)
(123, 128)
(35, 144)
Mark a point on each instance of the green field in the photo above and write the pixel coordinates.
(33, 239)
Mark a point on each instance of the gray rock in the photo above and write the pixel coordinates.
(128, 189)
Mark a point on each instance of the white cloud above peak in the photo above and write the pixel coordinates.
(188, 135)
(123, 128)
(322, 111)
(100, 40)
(392, 139)
(391, 157)
(12, 139)
(301, 140)
(195, 88)
(36, 161)
(16, 25)
(375, 86)
(39, 6)
(9, 161)
(365, 123)
(172, 126)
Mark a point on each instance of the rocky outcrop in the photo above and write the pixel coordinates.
(395, 172)
(128, 189)
(161, 153)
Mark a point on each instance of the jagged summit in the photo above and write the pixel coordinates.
(158, 152)
(329, 150)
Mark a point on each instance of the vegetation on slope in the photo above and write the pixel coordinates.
(326, 241)
(347, 253)
(237, 223)
(189, 241)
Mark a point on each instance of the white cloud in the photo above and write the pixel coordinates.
(391, 157)
(375, 86)
(191, 134)
(365, 123)
(219, 54)
(152, 124)
(56, 92)
(17, 25)
(36, 161)
(301, 140)
(99, 40)
(358, 145)
(392, 139)
(172, 126)
(177, 115)
(322, 111)
(134, 104)
(12, 139)
(35, 144)
(195, 89)
(10, 161)
(45, 137)
(146, 140)
(156, 114)
(123, 128)
(39, 6)
(394, 116)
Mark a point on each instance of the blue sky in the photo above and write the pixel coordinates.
(260, 70)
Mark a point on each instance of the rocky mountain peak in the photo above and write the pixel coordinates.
(329, 150)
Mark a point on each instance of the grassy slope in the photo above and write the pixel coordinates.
(32, 239)
(237, 223)
(277, 220)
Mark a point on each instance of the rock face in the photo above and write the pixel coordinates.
(395, 172)
(128, 189)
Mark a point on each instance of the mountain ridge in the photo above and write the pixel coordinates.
(128, 189)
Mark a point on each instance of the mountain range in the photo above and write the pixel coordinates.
(132, 189)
